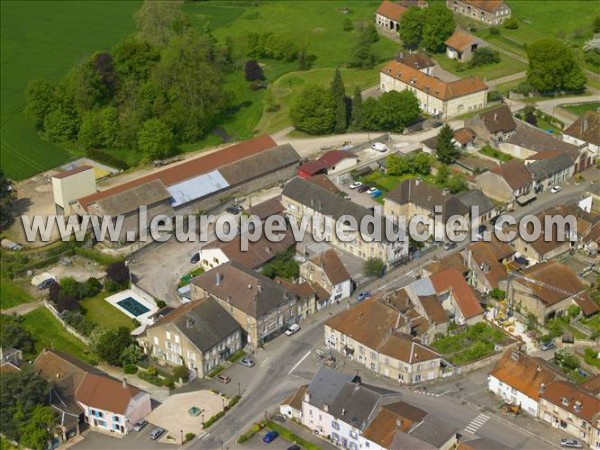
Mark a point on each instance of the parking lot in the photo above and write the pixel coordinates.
(135, 440)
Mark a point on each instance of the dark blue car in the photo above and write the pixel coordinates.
(270, 437)
(363, 295)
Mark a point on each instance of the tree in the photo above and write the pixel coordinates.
(109, 344)
(338, 91)
(511, 23)
(566, 359)
(363, 56)
(314, 111)
(13, 334)
(393, 111)
(397, 165)
(159, 22)
(118, 272)
(61, 125)
(532, 322)
(446, 151)
(134, 58)
(284, 265)
(156, 139)
(370, 34)
(530, 116)
(356, 114)
(411, 27)
(130, 355)
(441, 177)
(456, 183)
(374, 267)
(552, 67)
(100, 128)
(7, 197)
(484, 56)
(40, 99)
(347, 24)
(438, 27)
(253, 71)
(305, 60)
(39, 428)
(181, 372)
(596, 24)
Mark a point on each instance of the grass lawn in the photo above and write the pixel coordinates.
(44, 39)
(496, 154)
(48, 332)
(506, 66)
(383, 181)
(593, 323)
(474, 343)
(290, 436)
(99, 311)
(582, 107)
(12, 294)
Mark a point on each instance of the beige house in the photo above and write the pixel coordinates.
(69, 185)
(388, 15)
(199, 334)
(309, 296)
(461, 46)
(303, 200)
(263, 308)
(573, 410)
(377, 336)
(492, 12)
(487, 263)
(327, 270)
(585, 134)
(507, 182)
(436, 97)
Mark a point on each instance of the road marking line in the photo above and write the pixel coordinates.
(299, 362)
(477, 423)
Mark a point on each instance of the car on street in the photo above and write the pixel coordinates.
(556, 189)
(570, 443)
(363, 188)
(270, 437)
(156, 433)
(292, 329)
(545, 346)
(437, 124)
(355, 185)
(235, 209)
(223, 379)
(363, 295)
(372, 190)
(450, 245)
(247, 361)
(46, 283)
(379, 147)
(294, 447)
(140, 424)
(195, 258)
(376, 193)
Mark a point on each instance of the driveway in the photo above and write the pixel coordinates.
(134, 440)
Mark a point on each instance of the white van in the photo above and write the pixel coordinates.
(379, 147)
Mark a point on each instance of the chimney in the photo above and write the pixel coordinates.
(398, 423)
(249, 286)
(259, 288)
(538, 368)
(268, 249)
(189, 322)
(515, 355)
(124, 383)
(495, 116)
(564, 401)
(219, 277)
(577, 406)
(542, 388)
(585, 123)
(343, 411)
(325, 407)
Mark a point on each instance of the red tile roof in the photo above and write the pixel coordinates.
(73, 171)
(555, 274)
(103, 392)
(332, 266)
(464, 135)
(391, 10)
(514, 173)
(486, 5)
(191, 168)
(466, 300)
(571, 398)
(433, 85)
(460, 40)
(333, 157)
(311, 167)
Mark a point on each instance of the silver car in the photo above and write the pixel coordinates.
(156, 433)
(247, 361)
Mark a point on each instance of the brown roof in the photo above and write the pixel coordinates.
(258, 254)
(191, 168)
(514, 173)
(419, 193)
(587, 305)
(391, 10)
(434, 309)
(332, 265)
(106, 393)
(73, 171)
(148, 194)
(302, 290)
(433, 85)
(481, 444)
(324, 182)
(524, 373)
(8, 367)
(486, 5)
(488, 257)
(539, 141)
(404, 347)
(592, 385)
(460, 40)
(553, 274)
(417, 60)
(333, 157)
(385, 425)
(368, 323)
(295, 400)
(566, 395)
(267, 208)
(499, 120)
(464, 135)
(452, 261)
(320, 291)
(586, 128)
(454, 281)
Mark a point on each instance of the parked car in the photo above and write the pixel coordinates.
(223, 379)
(270, 437)
(247, 361)
(371, 190)
(363, 188)
(437, 124)
(379, 147)
(545, 346)
(570, 443)
(235, 209)
(555, 189)
(292, 329)
(195, 258)
(376, 193)
(156, 433)
(355, 185)
(140, 424)
(46, 283)
(482, 229)
(450, 245)
(363, 295)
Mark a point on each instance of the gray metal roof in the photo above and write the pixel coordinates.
(326, 386)
(476, 198)
(434, 431)
(423, 287)
(355, 404)
(545, 168)
(197, 187)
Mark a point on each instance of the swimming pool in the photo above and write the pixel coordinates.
(132, 306)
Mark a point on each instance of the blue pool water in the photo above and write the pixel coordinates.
(133, 306)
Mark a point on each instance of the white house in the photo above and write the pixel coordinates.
(520, 379)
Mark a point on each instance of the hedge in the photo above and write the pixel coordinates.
(213, 419)
(105, 158)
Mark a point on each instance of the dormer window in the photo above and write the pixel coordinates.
(564, 401)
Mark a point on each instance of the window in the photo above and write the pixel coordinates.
(168, 335)
(116, 419)
(335, 425)
(335, 437)
(177, 339)
(155, 340)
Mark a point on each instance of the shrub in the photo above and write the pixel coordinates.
(189, 436)
(160, 303)
(105, 158)
(213, 419)
(573, 310)
(234, 401)
(253, 71)
(181, 372)
(494, 31)
(130, 369)
(511, 23)
(495, 96)
(484, 56)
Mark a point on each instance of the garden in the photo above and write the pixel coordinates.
(496, 154)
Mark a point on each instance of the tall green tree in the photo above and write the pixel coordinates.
(446, 151)
(393, 111)
(134, 58)
(39, 429)
(100, 128)
(363, 56)
(438, 27)
(553, 67)
(110, 344)
(7, 198)
(370, 33)
(159, 22)
(313, 112)
(374, 267)
(13, 334)
(356, 118)
(40, 99)
(338, 91)
(156, 139)
(411, 27)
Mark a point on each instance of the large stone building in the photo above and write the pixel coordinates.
(493, 12)
(436, 97)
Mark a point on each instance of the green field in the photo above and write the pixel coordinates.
(506, 66)
(101, 312)
(44, 39)
(582, 107)
(48, 332)
(12, 294)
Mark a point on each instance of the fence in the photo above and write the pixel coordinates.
(66, 326)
